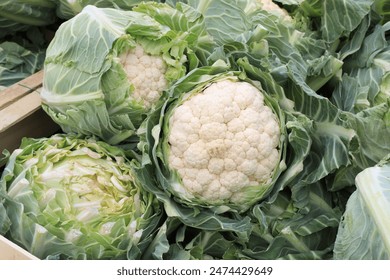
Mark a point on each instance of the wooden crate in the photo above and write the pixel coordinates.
(21, 114)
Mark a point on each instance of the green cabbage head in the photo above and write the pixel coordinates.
(65, 197)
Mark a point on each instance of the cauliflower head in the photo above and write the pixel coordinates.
(146, 73)
(224, 144)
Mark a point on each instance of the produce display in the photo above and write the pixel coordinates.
(203, 129)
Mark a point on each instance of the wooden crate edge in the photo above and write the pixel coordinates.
(11, 251)
(20, 89)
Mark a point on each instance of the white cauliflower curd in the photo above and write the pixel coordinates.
(223, 141)
(146, 73)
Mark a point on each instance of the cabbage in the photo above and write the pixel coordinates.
(86, 89)
(65, 197)
(364, 231)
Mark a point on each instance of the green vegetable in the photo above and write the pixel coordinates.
(132, 57)
(19, 15)
(223, 143)
(67, 9)
(364, 228)
(337, 18)
(17, 62)
(366, 79)
(346, 141)
(280, 229)
(22, 54)
(272, 39)
(382, 7)
(255, 122)
(213, 205)
(225, 20)
(65, 197)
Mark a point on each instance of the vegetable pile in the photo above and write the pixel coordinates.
(199, 129)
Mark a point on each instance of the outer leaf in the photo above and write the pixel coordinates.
(382, 7)
(338, 17)
(17, 62)
(226, 21)
(18, 15)
(365, 82)
(364, 229)
(285, 230)
(370, 144)
(67, 9)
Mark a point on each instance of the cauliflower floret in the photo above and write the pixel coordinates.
(224, 155)
(146, 73)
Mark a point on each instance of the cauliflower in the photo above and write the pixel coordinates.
(223, 142)
(110, 73)
(146, 73)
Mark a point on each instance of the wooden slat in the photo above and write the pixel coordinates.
(21, 113)
(20, 89)
(11, 251)
(19, 110)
